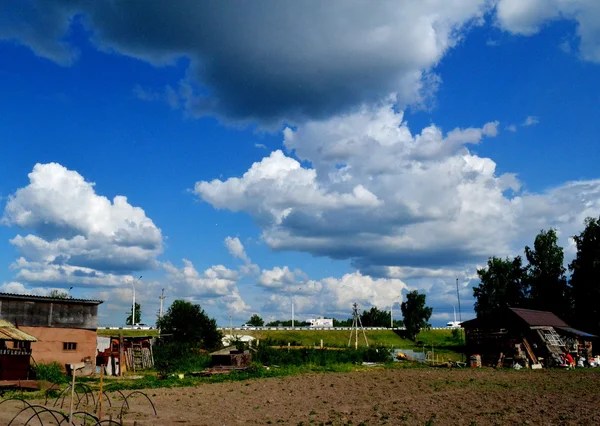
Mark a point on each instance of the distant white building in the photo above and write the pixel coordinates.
(320, 322)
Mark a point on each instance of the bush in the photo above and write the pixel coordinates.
(179, 358)
(457, 334)
(51, 372)
(321, 357)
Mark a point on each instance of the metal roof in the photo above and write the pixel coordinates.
(31, 297)
(539, 318)
(10, 332)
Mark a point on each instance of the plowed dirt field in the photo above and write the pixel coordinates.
(377, 397)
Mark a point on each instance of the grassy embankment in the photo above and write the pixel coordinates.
(126, 332)
(442, 341)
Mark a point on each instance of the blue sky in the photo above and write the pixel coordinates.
(289, 151)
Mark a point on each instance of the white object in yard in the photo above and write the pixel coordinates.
(320, 322)
(228, 338)
(536, 366)
(77, 366)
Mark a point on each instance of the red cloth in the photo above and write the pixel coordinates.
(569, 359)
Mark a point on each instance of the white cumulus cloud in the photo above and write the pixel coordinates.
(527, 17)
(363, 187)
(213, 282)
(237, 250)
(375, 193)
(330, 296)
(77, 236)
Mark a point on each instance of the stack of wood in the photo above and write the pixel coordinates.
(140, 358)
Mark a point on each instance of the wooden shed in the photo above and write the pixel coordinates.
(15, 352)
(526, 336)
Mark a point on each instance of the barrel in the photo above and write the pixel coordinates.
(475, 361)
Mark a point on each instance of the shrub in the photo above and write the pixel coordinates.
(179, 358)
(51, 372)
(321, 357)
(457, 334)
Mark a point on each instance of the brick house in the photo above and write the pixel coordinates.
(65, 328)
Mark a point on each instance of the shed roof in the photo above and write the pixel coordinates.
(31, 297)
(10, 332)
(539, 318)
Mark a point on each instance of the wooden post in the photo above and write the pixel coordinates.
(72, 394)
(321, 343)
(121, 357)
(100, 397)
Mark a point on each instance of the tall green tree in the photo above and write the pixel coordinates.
(548, 287)
(503, 283)
(375, 318)
(188, 323)
(138, 315)
(256, 321)
(415, 313)
(585, 278)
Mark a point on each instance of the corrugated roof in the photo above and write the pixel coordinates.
(10, 332)
(539, 318)
(48, 298)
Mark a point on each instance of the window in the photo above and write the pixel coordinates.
(19, 344)
(69, 346)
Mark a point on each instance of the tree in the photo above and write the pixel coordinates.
(287, 323)
(585, 270)
(342, 323)
(548, 287)
(256, 321)
(138, 315)
(375, 318)
(415, 313)
(188, 323)
(59, 294)
(503, 284)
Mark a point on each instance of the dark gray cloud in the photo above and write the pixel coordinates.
(270, 60)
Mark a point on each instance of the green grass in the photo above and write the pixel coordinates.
(332, 339)
(339, 338)
(444, 344)
(439, 338)
(127, 333)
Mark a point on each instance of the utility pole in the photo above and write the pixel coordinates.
(133, 302)
(292, 297)
(161, 297)
(458, 297)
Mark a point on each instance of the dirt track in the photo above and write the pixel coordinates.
(393, 397)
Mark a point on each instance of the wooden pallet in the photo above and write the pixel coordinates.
(530, 353)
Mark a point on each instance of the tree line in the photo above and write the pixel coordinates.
(414, 311)
(543, 284)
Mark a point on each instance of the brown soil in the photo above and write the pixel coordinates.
(376, 397)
